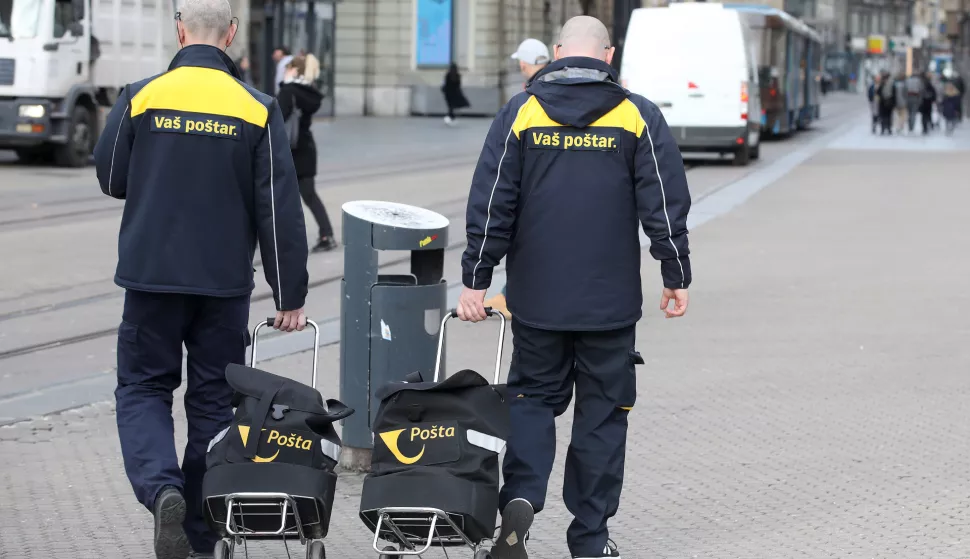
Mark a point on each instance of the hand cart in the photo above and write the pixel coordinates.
(412, 531)
(296, 515)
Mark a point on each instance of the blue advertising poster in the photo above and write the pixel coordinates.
(434, 30)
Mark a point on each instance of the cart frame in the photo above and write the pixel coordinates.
(432, 516)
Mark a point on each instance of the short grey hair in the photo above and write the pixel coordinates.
(206, 19)
(584, 33)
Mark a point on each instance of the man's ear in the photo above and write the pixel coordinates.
(609, 55)
(555, 51)
(232, 33)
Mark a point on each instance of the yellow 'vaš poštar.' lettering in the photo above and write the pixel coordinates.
(210, 127)
(574, 141)
(193, 125)
(166, 123)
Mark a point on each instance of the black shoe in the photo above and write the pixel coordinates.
(199, 555)
(516, 520)
(609, 551)
(326, 244)
(170, 539)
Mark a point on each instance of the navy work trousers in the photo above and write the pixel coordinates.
(150, 339)
(546, 365)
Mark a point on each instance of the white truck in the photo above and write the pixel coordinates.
(50, 91)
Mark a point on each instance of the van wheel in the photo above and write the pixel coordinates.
(742, 156)
(80, 140)
(756, 151)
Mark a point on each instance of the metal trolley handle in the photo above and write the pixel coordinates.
(453, 313)
(316, 344)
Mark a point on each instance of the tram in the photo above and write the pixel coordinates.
(788, 54)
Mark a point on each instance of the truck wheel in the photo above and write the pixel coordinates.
(756, 151)
(80, 140)
(742, 156)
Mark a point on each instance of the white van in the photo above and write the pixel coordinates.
(695, 62)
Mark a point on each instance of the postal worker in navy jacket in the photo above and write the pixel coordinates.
(203, 164)
(571, 167)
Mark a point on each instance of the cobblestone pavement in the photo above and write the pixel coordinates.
(814, 402)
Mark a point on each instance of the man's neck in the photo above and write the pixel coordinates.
(195, 43)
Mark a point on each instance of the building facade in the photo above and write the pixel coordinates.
(392, 54)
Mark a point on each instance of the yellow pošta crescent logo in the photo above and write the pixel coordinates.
(292, 441)
(391, 439)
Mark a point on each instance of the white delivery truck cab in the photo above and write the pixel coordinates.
(49, 93)
(695, 61)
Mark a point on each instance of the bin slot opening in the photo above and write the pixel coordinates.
(396, 279)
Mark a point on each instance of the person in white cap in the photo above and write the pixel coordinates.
(533, 55)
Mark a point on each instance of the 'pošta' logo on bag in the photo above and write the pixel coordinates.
(422, 434)
(275, 437)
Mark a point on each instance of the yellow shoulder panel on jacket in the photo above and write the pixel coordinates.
(200, 90)
(626, 115)
(531, 115)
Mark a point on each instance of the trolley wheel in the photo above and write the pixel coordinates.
(386, 556)
(223, 550)
(315, 550)
(483, 554)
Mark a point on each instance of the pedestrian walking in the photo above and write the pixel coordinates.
(928, 101)
(202, 162)
(574, 148)
(873, 95)
(533, 56)
(961, 86)
(282, 57)
(950, 106)
(899, 111)
(299, 100)
(245, 69)
(887, 103)
(914, 96)
(454, 97)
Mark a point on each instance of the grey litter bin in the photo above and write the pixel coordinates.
(388, 322)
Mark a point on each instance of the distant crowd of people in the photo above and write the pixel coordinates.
(897, 101)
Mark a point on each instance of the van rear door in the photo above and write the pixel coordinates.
(669, 59)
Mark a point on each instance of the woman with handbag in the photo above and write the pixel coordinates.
(299, 100)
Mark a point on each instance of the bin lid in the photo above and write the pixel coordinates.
(400, 226)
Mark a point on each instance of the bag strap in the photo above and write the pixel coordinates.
(338, 410)
(259, 418)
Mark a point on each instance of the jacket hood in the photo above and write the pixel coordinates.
(577, 91)
(205, 56)
(307, 97)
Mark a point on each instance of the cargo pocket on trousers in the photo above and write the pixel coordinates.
(628, 396)
(129, 353)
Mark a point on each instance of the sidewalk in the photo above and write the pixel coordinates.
(813, 403)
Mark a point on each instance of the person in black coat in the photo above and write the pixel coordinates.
(453, 94)
(926, 105)
(297, 93)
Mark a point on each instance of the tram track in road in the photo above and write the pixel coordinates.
(330, 178)
(107, 332)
